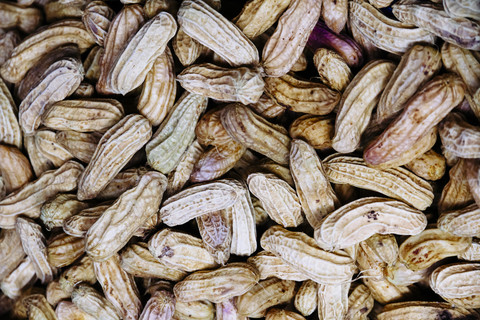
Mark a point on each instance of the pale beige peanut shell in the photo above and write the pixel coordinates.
(64, 249)
(68, 310)
(27, 19)
(38, 307)
(80, 145)
(277, 314)
(306, 298)
(195, 310)
(97, 16)
(360, 303)
(332, 69)
(270, 265)
(461, 222)
(80, 272)
(462, 8)
(10, 132)
(216, 231)
(459, 137)
(15, 168)
(117, 146)
(335, 14)
(8, 41)
(19, 279)
(332, 300)
(422, 310)
(429, 166)
(161, 305)
(92, 302)
(316, 130)
(10, 255)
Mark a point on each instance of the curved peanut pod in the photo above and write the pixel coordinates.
(302, 96)
(23, 18)
(269, 265)
(85, 115)
(302, 253)
(50, 149)
(80, 145)
(10, 132)
(117, 146)
(176, 133)
(278, 198)
(385, 33)
(431, 18)
(123, 26)
(33, 243)
(186, 48)
(161, 305)
(458, 283)
(211, 29)
(424, 309)
(60, 80)
(119, 287)
(459, 137)
(417, 66)
(159, 89)
(97, 16)
(218, 285)
(61, 207)
(456, 193)
(15, 168)
(429, 166)
(119, 222)
(422, 112)
(335, 14)
(286, 44)
(210, 131)
(306, 298)
(431, 245)
(27, 53)
(63, 250)
(225, 84)
(180, 251)
(316, 130)
(198, 200)
(313, 188)
(21, 277)
(461, 222)
(82, 271)
(358, 100)
(203, 310)
(256, 133)
(138, 261)
(360, 219)
(257, 16)
(323, 37)
(132, 65)
(264, 295)
(8, 41)
(462, 8)
(29, 199)
(397, 183)
(38, 307)
(92, 302)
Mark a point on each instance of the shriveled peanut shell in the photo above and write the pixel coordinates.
(461, 222)
(43, 42)
(216, 231)
(161, 305)
(176, 133)
(473, 178)
(456, 193)
(80, 272)
(64, 249)
(313, 188)
(179, 177)
(186, 48)
(397, 183)
(19, 279)
(240, 84)
(459, 137)
(332, 300)
(306, 298)
(429, 166)
(257, 16)
(422, 250)
(358, 101)
(68, 310)
(55, 294)
(119, 222)
(137, 260)
(28, 199)
(290, 37)
(56, 210)
(10, 255)
(263, 295)
(269, 265)
(132, 65)
(296, 248)
(256, 133)
(211, 29)
(119, 287)
(97, 16)
(332, 69)
(180, 251)
(117, 146)
(417, 66)
(316, 130)
(232, 280)
(301, 95)
(38, 307)
(10, 132)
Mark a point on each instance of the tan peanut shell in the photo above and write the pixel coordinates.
(224, 84)
(15, 168)
(429, 166)
(296, 248)
(19, 279)
(332, 69)
(286, 44)
(358, 100)
(473, 178)
(417, 66)
(9, 128)
(92, 302)
(8, 41)
(211, 29)
(80, 145)
(180, 251)
(270, 265)
(360, 303)
(186, 48)
(38, 307)
(115, 149)
(63, 250)
(182, 173)
(80, 272)
(332, 300)
(422, 250)
(456, 193)
(97, 16)
(461, 222)
(27, 19)
(216, 231)
(316, 130)
(459, 137)
(10, 255)
(195, 310)
(68, 310)
(278, 198)
(306, 298)
(360, 219)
